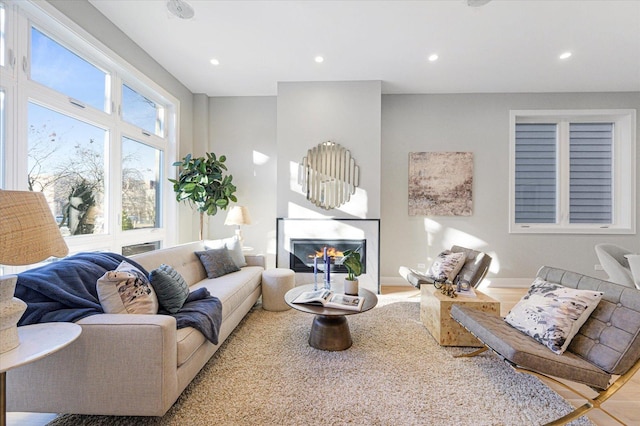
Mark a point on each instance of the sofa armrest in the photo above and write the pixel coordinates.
(121, 364)
(255, 260)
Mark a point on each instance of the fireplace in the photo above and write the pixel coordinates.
(303, 251)
(313, 234)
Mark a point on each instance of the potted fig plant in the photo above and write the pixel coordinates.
(351, 261)
(202, 183)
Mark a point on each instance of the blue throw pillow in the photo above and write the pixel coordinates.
(171, 289)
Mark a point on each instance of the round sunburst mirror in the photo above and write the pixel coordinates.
(328, 175)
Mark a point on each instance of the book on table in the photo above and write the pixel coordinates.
(329, 299)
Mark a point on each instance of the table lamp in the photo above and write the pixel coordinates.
(238, 215)
(28, 234)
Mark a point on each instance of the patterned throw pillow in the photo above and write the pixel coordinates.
(126, 291)
(553, 314)
(446, 266)
(217, 262)
(172, 290)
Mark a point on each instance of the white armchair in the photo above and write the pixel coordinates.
(615, 264)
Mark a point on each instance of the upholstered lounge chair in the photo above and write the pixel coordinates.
(615, 264)
(607, 344)
(474, 270)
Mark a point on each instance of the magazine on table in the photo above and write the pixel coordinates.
(329, 299)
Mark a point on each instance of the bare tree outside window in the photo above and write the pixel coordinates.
(66, 162)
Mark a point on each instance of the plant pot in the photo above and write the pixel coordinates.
(351, 287)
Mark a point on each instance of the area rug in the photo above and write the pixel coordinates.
(394, 374)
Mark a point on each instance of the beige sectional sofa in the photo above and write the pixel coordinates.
(124, 364)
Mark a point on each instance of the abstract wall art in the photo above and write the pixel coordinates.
(440, 183)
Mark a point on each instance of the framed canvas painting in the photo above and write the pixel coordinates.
(440, 183)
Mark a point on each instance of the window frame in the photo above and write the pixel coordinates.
(20, 90)
(624, 170)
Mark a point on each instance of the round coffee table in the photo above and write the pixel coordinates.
(330, 328)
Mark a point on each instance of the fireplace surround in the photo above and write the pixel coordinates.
(298, 238)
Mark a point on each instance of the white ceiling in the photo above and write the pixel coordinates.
(504, 46)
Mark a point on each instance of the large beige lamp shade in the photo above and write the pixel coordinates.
(238, 215)
(28, 234)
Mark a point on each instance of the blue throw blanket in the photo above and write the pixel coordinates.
(65, 291)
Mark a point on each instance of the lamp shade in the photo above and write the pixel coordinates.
(238, 215)
(28, 231)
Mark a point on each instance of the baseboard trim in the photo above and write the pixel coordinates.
(488, 282)
(507, 282)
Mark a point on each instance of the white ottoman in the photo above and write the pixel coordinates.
(275, 283)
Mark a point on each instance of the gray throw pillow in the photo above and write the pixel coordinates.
(233, 245)
(172, 290)
(217, 262)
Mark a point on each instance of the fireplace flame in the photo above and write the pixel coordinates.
(331, 252)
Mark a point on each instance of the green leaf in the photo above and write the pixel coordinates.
(202, 183)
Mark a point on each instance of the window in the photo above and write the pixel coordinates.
(100, 136)
(66, 161)
(140, 185)
(57, 67)
(572, 171)
(141, 111)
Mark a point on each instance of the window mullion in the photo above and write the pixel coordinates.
(563, 173)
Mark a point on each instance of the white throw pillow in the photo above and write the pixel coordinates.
(126, 291)
(553, 314)
(447, 265)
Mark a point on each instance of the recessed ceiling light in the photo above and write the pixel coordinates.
(319, 59)
(433, 57)
(181, 9)
(214, 61)
(477, 3)
(565, 55)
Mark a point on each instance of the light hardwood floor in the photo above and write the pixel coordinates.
(625, 404)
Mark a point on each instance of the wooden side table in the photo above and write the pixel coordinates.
(435, 314)
(36, 342)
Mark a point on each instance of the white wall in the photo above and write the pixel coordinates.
(244, 129)
(478, 123)
(414, 123)
(347, 113)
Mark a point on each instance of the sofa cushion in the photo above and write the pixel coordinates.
(552, 314)
(182, 258)
(172, 290)
(188, 342)
(447, 265)
(217, 262)
(126, 291)
(233, 289)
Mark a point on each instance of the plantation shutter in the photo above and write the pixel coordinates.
(535, 173)
(590, 172)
